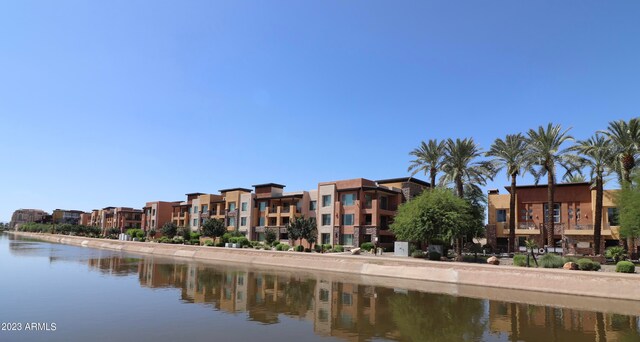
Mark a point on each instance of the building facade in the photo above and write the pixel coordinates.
(22, 216)
(572, 214)
(155, 215)
(62, 216)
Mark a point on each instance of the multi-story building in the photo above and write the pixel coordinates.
(121, 218)
(229, 210)
(181, 211)
(204, 207)
(62, 216)
(351, 212)
(572, 214)
(155, 215)
(274, 209)
(85, 219)
(22, 216)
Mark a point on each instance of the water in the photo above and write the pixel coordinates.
(99, 295)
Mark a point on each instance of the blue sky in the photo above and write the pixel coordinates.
(123, 102)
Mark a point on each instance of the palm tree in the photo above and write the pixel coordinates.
(460, 166)
(510, 154)
(597, 154)
(428, 159)
(544, 149)
(574, 178)
(625, 137)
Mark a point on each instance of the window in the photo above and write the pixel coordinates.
(232, 206)
(384, 222)
(326, 219)
(153, 223)
(347, 299)
(383, 202)
(262, 205)
(324, 295)
(243, 221)
(298, 206)
(347, 219)
(313, 205)
(153, 212)
(501, 215)
(368, 201)
(243, 206)
(205, 208)
(326, 200)
(613, 218)
(347, 239)
(195, 222)
(367, 219)
(232, 221)
(348, 199)
(261, 221)
(195, 209)
(260, 236)
(326, 238)
(556, 213)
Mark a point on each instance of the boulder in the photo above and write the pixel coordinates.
(570, 266)
(355, 251)
(493, 261)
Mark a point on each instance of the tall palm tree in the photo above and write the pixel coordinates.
(510, 154)
(625, 137)
(597, 154)
(428, 159)
(544, 149)
(460, 166)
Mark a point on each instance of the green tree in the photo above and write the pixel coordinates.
(169, 229)
(295, 227)
(436, 214)
(270, 235)
(625, 137)
(628, 202)
(429, 157)
(303, 228)
(510, 154)
(461, 166)
(544, 147)
(597, 154)
(213, 228)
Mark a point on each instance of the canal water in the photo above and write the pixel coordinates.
(53, 292)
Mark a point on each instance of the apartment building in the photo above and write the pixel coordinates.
(181, 211)
(22, 216)
(274, 209)
(229, 210)
(204, 207)
(155, 215)
(351, 212)
(85, 219)
(572, 214)
(121, 218)
(63, 216)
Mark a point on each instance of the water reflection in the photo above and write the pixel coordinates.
(346, 310)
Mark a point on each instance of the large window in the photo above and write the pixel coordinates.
(232, 221)
(195, 209)
(501, 215)
(243, 206)
(347, 239)
(243, 221)
(613, 217)
(347, 219)
(262, 205)
(368, 201)
(232, 206)
(326, 200)
(326, 219)
(348, 199)
(195, 222)
(326, 238)
(313, 205)
(383, 202)
(205, 208)
(261, 221)
(556, 213)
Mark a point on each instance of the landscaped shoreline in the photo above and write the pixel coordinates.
(543, 281)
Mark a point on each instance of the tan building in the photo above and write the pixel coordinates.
(22, 216)
(155, 215)
(572, 214)
(62, 216)
(85, 219)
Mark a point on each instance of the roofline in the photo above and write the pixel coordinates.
(236, 189)
(275, 185)
(508, 188)
(194, 193)
(404, 179)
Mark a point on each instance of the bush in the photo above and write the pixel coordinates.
(520, 260)
(152, 233)
(282, 247)
(367, 246)
(208, 243)
(220, 244)
(338, 249)
(616, 253)
(588, 265)
(164, 239)
(243, 241)
(570, 259)
(551, 261)
(435, 256)
(169, 229)
(299, 248)
(625, 267)
(326, 247)
(417, 254)
(317, 248)
(226, 237)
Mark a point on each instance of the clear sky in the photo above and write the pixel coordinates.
(116, 103)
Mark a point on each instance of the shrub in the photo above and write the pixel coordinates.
(282, 247)
(299, 248)
(588, 265)
(226, 237)
(220, 244)
(243, 241)
(435, 256)
(270, 235)
(625, 267)
(551, 261)
(570, 259)
(169, 229)
(338, 248)
(417, 254)
(208, 243)
(367, 246)
(520, 260)
(616, 253)
(317, 248)
(152, 233)
(326, 247)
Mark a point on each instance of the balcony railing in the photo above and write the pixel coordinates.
(582, 227)
(527, 225)
(558, 228)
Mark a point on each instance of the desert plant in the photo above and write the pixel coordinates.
(551, 261)
(367, 246)
(208, 243)
(625, 267)
(338, 249)
(616, 253)
(417, 254)
(521, 260)
(588, 265)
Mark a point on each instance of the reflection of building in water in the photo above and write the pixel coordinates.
(525, 322)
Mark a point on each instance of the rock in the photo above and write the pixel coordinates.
(493, 261)
(355, 251)
(570, 266)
